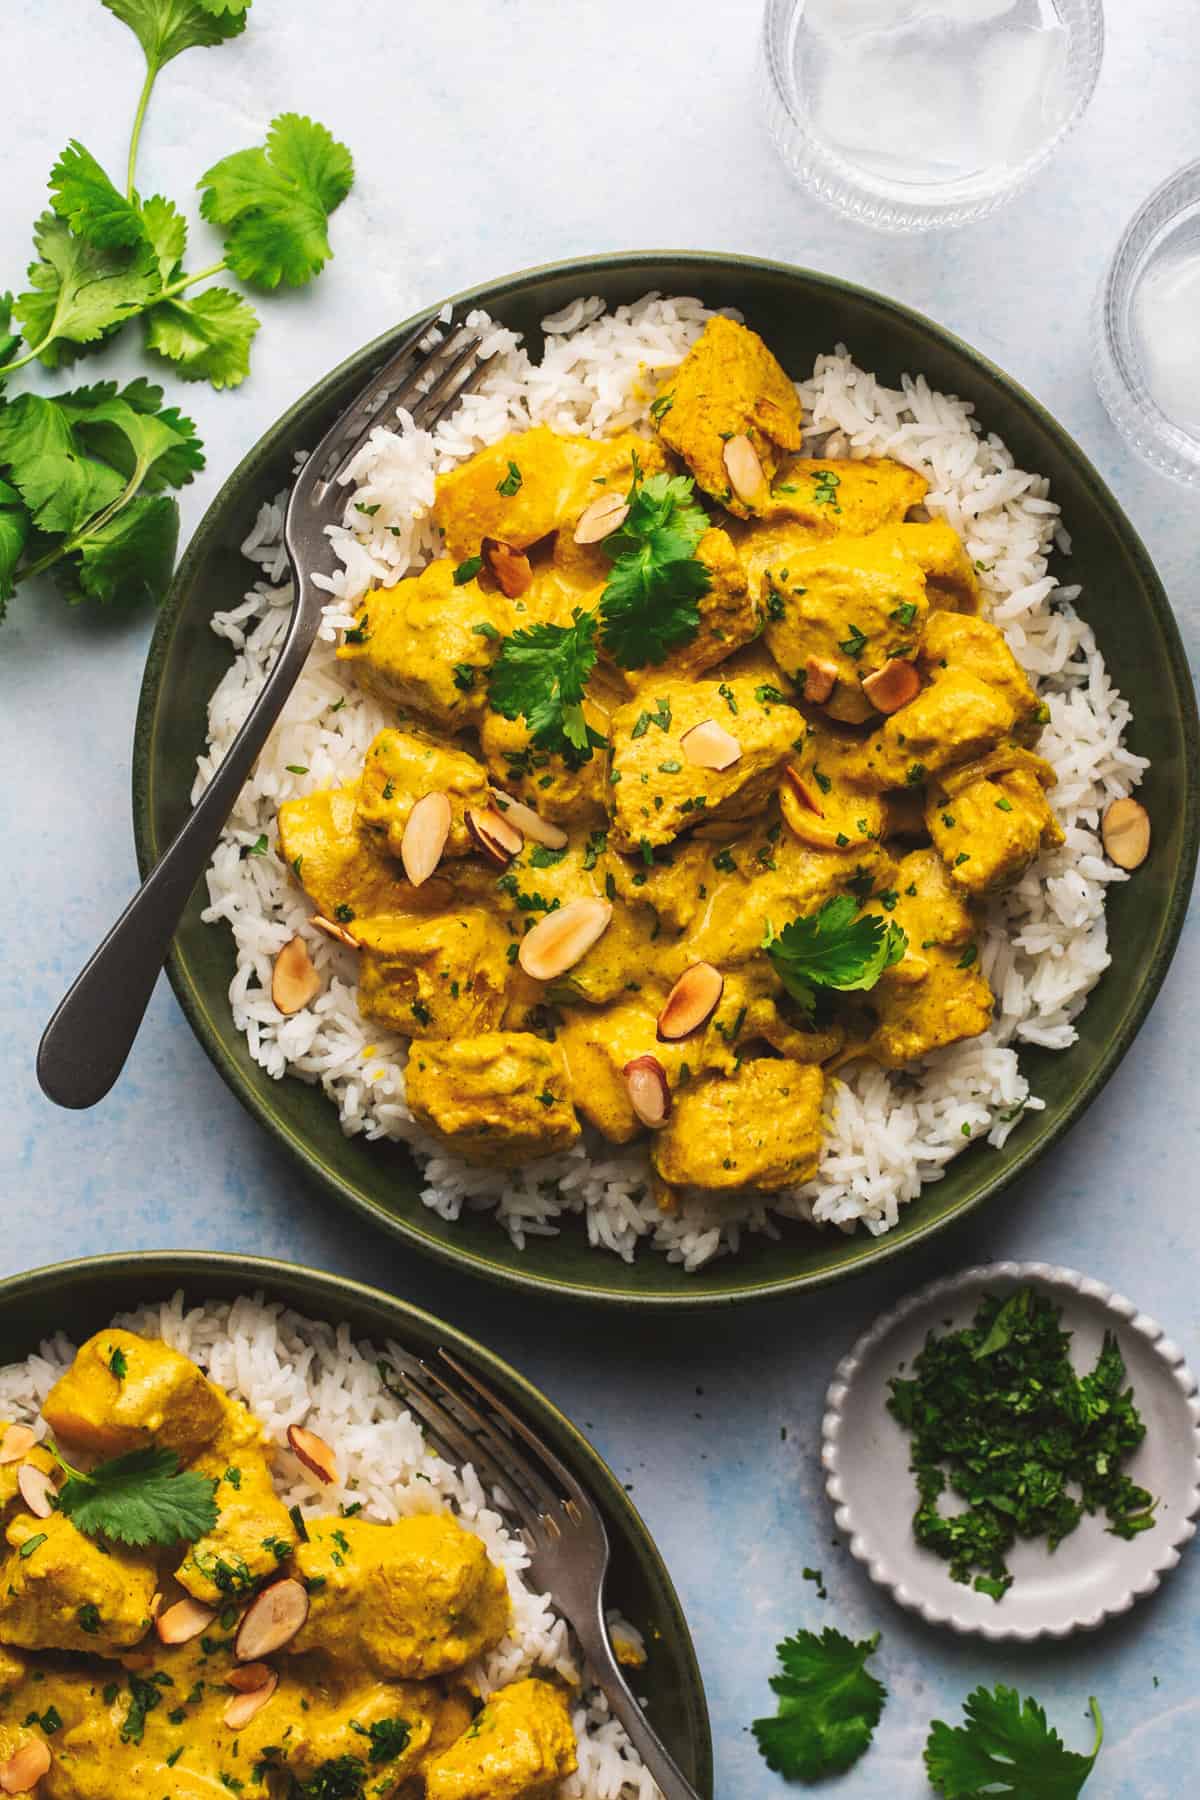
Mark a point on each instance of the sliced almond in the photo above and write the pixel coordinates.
(18, 1440)
(313, 1452)
(529, 823)
(709, 746)
(1125, 829)
(561, 939)
(802, 790)
(294, 980)
(493, 835)
(649, 1095)
(37, 1490)
(337, 932)
(425, 835)
(743, 468)
(893, 686)
(243, 1707)
(248, 1676)
(510, 567)
(156, 1601)
(271, 1620)
(691, 1003)
(23, 1770)
(605, 515)
(819, 679)
(180, 1623)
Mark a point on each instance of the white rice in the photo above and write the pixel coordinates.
(290, 1371)
(1046, 942)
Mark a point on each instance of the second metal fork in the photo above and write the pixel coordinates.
(561, 1526)
(84, 1047)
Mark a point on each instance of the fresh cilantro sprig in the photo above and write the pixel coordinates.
(829, 1705)
(835, 947)
(649, 605)
(140, 1498)
(540, 675)
(1006, 1749)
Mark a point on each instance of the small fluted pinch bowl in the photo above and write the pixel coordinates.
(1092, 1576)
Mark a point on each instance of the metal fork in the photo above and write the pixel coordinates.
(560, 1524)
(84, 1047)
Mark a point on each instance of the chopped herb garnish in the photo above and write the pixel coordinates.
(855, 644)
(512, 482)
(467, 571)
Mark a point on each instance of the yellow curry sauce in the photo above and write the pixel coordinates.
(366, 1698)
(841, 722)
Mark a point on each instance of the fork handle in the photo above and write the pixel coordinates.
(89, 1037)
(597, 1647)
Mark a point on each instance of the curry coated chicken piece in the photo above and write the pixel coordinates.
(936, 994)
(760, 1127)
(434, 976)
(563, 790)
(730, 616)
(728, 386)
(988, 820)
(518, 1748)
(499, 1098)
(254, 1532)
(832, 496)
(954, 643)
(954, 720)
(60, 1590)
(400, 768)
(411, 1600)
(124, 1392)
(950, 579)
(346, 871)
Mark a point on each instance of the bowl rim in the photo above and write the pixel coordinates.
(870, 1250)
(190, 1269)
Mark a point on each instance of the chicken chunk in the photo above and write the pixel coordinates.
(343, 868)
(254, 1532)
(950, 579)
(374, 1733)
(954, 720)
(518, 1748)
(439, 976)
(955, 643)
(820, 807)
(728, 385)
(659, 791)
(499, 1097)
(421, 645)
(758, 1128)
(832, 495)
(989, 820)
(411, 1600)
(125, 1392)
(400, 769)
(935, 995)
(562, 790)
(62, 1591)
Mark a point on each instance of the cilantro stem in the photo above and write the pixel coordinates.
(139, 119)
(19, 362)
(186, 281)
(71, 544)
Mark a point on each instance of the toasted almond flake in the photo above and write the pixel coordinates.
(649, 1095)
(893, 686)
(156, 1601)
(271, 1620)
(425, 834)
(180, 1623)
(743, 468)
(561, 939)
(1125, 829)
(493, 835)
(249, 1676)
(606, 514)
(510, 567)
(17, 1441)
(529, 823)
(819, 679)
(37, 1490)
(244, 1707)
(294, 980)
(25, 1768)
(802, 790)
(336, 932)
(709, 746)
(691, 1003)
(313, 1452)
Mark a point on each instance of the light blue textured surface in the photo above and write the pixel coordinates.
(491, 134)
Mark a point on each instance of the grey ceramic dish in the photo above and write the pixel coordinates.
(1092, 1576)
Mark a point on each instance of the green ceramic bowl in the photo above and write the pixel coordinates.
(82, 1297)
(800, 313)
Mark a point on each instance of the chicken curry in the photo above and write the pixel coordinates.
(272, 1656)
(701, 765)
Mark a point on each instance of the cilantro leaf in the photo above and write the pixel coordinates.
(140, 1498)
(165, 28)
(79, 293)
(60, 486)
(9, 339)
(207, 337)
(165, 230)
(127, 558)
(540, 674)
(1006, 1748)
(275, 201)
(828, 1709)
(14, 530)
(649, 606)
(835, 947)
(84, 196)
(151, 448)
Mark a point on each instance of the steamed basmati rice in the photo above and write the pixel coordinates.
(1045, 945)
(290, 1371)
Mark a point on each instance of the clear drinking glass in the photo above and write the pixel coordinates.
(1146, 330)
(908, 114)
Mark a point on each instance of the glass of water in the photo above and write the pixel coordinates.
(908, 114)
(1146, 332)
